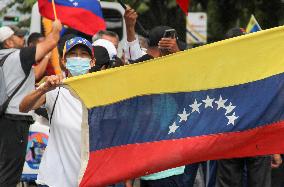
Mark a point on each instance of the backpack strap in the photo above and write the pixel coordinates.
(5, 105)
(51, 115)
(3, 59)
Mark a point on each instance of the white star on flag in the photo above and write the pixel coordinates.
(208, 102)
(173, 128)
(183, 116)
(195, 106)
(221, 103)
(75, 3)
(229, 108)
(232, 119)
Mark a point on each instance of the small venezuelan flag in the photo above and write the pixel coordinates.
(253, 25)
(83, 15)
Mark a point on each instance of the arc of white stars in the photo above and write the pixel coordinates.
(232, 119)
(195, 106)
(183, 116)
(229, 108)
(221, 103)
(208, 102)
(173, 128)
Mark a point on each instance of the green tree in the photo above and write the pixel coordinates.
(159, 12)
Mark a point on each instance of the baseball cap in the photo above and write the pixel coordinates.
(62, 41)
(69, 44)
(5, 33)
(109, 47)
(17, 31)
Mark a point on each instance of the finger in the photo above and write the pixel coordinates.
(132, 14)
(165, 46)
(167, 42)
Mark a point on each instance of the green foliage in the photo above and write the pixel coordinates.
(26, 5)
(159, 12)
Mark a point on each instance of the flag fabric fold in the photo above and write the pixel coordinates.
(253, 25)
(83, 15)
(222, 100)
(184, 4)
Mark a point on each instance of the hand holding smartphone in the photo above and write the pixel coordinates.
(170, 33)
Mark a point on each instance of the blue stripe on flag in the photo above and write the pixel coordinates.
(164, 117)
(91, 5)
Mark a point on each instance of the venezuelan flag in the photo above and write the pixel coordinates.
(253, 25)
(83, 15)
(222, 100)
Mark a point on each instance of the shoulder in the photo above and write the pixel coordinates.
(12, 61)
(142, 59)
(27, 54)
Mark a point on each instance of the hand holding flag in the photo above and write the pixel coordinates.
(57, 26)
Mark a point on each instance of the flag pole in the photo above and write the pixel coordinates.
(145, 33)
(54, 10)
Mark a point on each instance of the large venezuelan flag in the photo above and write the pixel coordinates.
(83, 15)
(222, 100)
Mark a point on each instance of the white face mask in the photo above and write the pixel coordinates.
(78, 66)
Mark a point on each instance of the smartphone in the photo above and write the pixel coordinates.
(170, 33)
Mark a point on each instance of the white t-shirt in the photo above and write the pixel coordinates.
(60, 165)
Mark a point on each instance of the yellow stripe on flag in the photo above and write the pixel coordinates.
(230, 62)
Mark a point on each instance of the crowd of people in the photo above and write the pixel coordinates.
(23, 67)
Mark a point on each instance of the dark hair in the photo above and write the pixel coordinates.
(33, 38)
(234, 32)
(102, 58)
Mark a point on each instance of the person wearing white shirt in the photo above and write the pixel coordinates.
(60, 165)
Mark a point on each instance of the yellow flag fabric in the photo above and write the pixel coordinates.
(226, 63)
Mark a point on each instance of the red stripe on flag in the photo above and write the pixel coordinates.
(117, 164)
(183, 5)
(77, 18)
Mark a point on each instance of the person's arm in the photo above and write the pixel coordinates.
(50, 42)
(37, 97)
(30, 55)
(130, 17)
(132, 47)
(40, 68)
